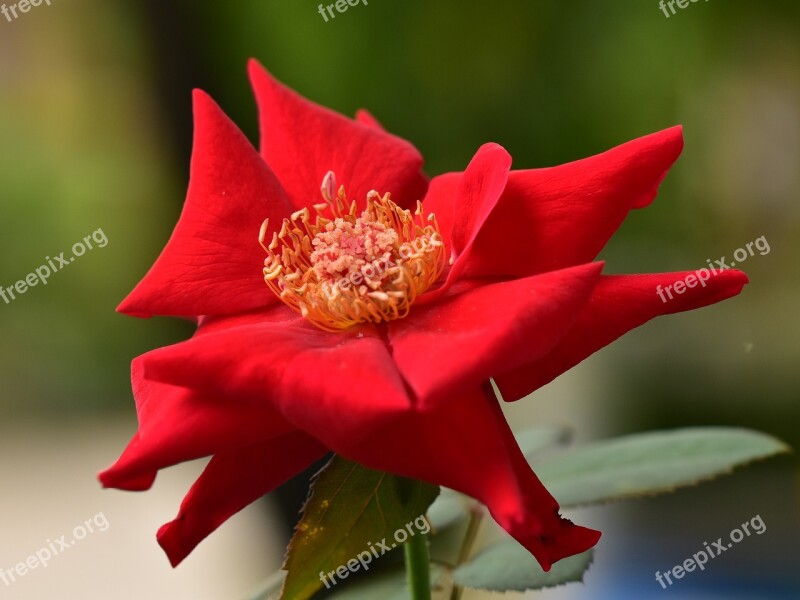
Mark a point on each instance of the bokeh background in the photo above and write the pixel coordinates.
(95, 132)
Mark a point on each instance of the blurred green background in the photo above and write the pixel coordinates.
(95, 124)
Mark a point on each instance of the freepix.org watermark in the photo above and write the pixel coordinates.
(53, 265)
(52, 548)
(341, 6)
(702, 276)
(363, 559)
(367, 275)
(701, 557)
(23, 6)
(663, 4)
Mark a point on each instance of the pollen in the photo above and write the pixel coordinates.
(343, 268)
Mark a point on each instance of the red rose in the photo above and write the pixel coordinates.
(491, 277)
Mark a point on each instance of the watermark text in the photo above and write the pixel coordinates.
(363, 559)
(341, 6)
(52, 265)
(664, 4)
(701, 276)
(700, 558)
(23, 6)
(52, 548)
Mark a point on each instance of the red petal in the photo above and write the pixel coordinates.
(458, 344)
(341, 380)
(441, 201)
(618, 304)
(462, 214)
(302, 141)
(212, 263)
(177, 424)
(465, 444)
(343, 390)
(562, 216)
(365, 117)
(232, 480)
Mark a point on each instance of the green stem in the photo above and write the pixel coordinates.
(418, 567)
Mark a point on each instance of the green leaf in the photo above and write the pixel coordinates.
(534, 441)
(651, 463)
(508, 566)
(350, 510)
(386, 585)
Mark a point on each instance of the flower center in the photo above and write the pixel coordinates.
(343, 269)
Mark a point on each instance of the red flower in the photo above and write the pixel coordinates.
(389, 370)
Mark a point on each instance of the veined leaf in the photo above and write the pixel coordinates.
(508, 566)
(651, 463)
(351, 510)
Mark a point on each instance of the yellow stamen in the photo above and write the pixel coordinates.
(343, 269)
